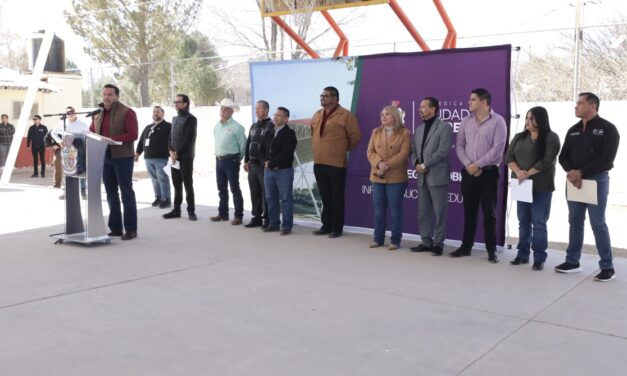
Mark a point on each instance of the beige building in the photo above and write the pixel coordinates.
(55, 92)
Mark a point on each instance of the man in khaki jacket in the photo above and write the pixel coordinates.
(334, 132)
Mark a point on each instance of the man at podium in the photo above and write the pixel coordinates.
(119, 123)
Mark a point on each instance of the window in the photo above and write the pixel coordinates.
(17, 110)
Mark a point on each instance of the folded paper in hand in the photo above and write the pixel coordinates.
(586, 194)
(521, 191)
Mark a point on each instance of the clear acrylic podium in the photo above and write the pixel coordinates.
(91, 228)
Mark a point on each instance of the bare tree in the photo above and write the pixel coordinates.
(545, 78)
(266, 37)
(548, 76)
(604, 68)
(13, 52)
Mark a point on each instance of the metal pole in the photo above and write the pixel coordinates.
(578, 42)
(171, 79)
(29, 98)
(92, 99)
(304, 176)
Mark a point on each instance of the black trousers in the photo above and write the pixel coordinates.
(183, 176)
(257, 196)
(331, 184)
(41, 152)
(481, 192)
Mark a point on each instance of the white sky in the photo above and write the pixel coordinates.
(373, 24)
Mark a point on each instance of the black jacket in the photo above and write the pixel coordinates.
(159, 144)
(280, 149)
(36, 135)
(183, 135)
(592, 151)
(256, 136)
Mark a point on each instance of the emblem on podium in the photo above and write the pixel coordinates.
(69, 155)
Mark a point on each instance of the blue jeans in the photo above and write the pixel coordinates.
(577, 217)
(160, 180)
(384, 196)
(532, 218)
(119, 173)
(278, 189)
(227, 174)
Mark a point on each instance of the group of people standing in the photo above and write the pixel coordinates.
(269, 158)
(268, 154)
(588, 152)
(589, 149)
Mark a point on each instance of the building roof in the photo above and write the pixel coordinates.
(11, 79)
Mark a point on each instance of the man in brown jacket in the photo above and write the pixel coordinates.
(119, 123)
(334, 131)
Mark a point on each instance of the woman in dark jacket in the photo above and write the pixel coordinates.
(532, 155)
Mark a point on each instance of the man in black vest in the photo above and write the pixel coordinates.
(155, 143)
(118, 122)
(182, 152)
(254, 161)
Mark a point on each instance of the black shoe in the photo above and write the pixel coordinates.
(43, 174)
(437, 251)
(286, 231)
(334, 235)
(537, 266)
(253, 223)
(605, 275)
(156, 202)
(568, 267)
(115, 233)
(421, 248)
(173, 214)
(493, 258)
(192, 216)
(129, 235)
(265, 224)
(519, 261)
(321, 232)
(164, 204)
(271, 229)
(460, 252)
(35, 175)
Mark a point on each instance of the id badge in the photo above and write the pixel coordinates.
(147, 142)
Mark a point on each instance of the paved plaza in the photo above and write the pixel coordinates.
(202, 298)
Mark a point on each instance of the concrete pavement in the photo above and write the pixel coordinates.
(202, 298)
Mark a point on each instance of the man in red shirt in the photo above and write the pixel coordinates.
(119, 123)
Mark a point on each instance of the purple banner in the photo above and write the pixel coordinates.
(448, 75)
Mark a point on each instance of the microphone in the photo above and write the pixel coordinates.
(96, 111)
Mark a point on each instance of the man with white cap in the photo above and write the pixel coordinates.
(230, 146)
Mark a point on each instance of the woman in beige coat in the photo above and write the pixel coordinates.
(388, 151)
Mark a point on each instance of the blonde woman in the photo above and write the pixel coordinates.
(388, 151)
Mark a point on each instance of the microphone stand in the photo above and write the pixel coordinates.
(64, 115)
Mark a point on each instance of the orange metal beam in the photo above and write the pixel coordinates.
(342, 46)
(295, 36)
(451, 36)
(408, 25)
